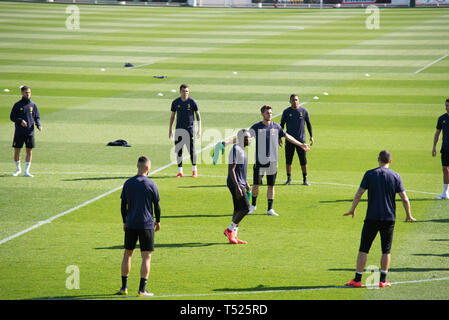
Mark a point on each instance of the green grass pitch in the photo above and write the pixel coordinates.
(235, 60)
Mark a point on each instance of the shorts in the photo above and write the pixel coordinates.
(145, 236)
(260, 170)
(445, 158)
(290, 152)
(20, 139)
(242, 203)
(369, 232)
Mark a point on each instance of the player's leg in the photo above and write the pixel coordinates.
(446, 181)
(125, 270)
(369, 232)
(179, 145)
(241, 211)
(257, 180)
(129, 244)
(445, 166)
(386, 239)
(271, 180)
(28, 159)
(17, 144)
(144, 272)
(303, 163)
(17, 161)
(146, 240)
(228, 232)
(126, 262)
(289, 153)
(193, 154)
(29, 144)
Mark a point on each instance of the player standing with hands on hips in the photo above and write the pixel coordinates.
(443, 125)
(25, 116)
(382, 184)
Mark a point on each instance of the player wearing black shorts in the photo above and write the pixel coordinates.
(185, 109)
(25, 116)
(238, 184)
(295, 118)
(382, 184)
(139, 196)
(443, 126)
(268, 134)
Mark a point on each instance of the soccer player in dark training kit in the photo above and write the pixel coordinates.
(237, 184)
(268, 134)
(25, 116)
(443, 126)
(382, 184)
(140, 199)
(185, 109)
(296, 117)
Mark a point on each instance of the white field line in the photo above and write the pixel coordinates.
(430, 64)
(40, 223)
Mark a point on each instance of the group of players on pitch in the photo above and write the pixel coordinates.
(140, 194)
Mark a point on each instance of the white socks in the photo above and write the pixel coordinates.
(18, 166)
(194, 168)
(27, 167)
(446, 189)
(234, 228)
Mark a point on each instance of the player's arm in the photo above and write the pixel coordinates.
(157, 216)
(170, 126)
(358, 195)
(231, 173)
(309, 128)
(124, 211)
(282, 124)
(16, 118)
(435, 141)
(290, 139)
(406, 204)
(198, 118)
(230, 141)
(37, 118)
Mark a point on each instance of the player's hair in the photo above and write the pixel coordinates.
(447, 100)
(183, 86)
(24, 88)
(265, 107)
(143, 162)
(385, 156)
(293, 95)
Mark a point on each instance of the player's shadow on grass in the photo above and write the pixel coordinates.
(96, 179)
(443, 255)
(407, 269)
(365, 200)
(435, 220)
(261, 288)
(204, 186)
(112, 178)
(170, 245)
